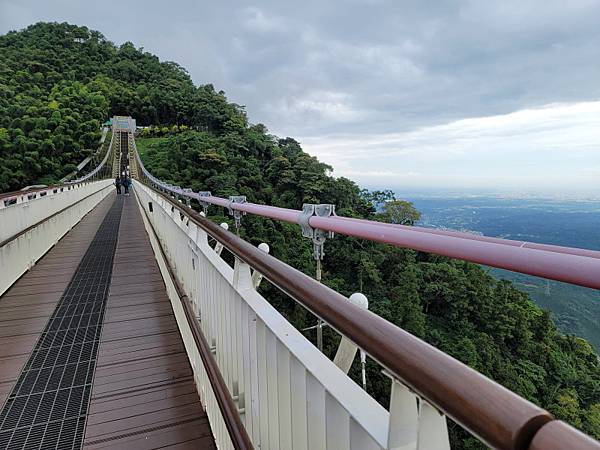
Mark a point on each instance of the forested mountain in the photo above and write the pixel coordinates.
(59, 82)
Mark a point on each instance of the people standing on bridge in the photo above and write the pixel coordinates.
(126, 184)
(118, 185)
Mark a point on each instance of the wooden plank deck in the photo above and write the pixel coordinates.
(143, 394)
(27, 305)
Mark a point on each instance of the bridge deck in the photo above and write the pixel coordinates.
(27, 305)
(143, 394)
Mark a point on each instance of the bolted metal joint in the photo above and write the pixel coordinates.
(203, 203)
(237, 215)
(188, 200)
(309, 210)
(318, 236)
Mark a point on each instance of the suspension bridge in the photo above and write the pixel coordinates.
(123, 325)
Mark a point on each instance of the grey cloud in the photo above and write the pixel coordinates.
(314, 68)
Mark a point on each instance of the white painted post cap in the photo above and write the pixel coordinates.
(359, 300)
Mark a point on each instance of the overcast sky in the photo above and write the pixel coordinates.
(405, 94)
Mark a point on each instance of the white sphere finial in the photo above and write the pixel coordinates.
(359, 300)
(225, 226)
(264, 247)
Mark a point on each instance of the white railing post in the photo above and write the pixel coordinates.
(403, 418)
(347, 349)
(256, 275)
(433, 430)
(218, 245)
(242, 278)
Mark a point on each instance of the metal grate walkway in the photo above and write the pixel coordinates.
(48, 404)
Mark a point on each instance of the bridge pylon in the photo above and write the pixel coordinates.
(124, 157)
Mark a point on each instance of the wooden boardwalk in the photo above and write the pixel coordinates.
(143, 394)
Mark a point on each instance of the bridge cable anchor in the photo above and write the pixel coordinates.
(318, 238)
(237, 215)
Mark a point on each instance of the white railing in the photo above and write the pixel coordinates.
(203, 385)
(289, 394)
(30, 227)
(25, 209)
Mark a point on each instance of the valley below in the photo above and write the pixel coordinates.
(572, 223)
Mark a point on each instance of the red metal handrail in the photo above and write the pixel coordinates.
(571, 265)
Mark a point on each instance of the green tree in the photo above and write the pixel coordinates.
(400, 212)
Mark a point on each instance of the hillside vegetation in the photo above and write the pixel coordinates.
(60, 81)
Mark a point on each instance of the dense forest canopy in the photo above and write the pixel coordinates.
(59, 82)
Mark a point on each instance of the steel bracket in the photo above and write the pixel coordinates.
(188, 200)
(317, 236)
(203, 203)
(237, 215)
(175, 195)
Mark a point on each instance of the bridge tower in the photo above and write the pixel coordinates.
(123, 129)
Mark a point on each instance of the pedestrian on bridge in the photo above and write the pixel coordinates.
(118, 185)
(126, 184)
